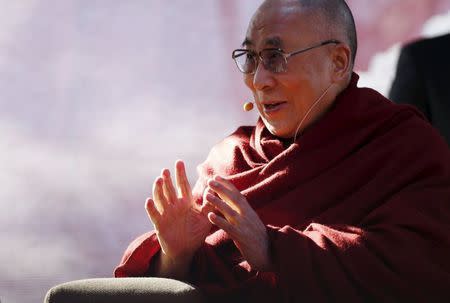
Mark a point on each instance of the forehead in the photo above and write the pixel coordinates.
(279, 26)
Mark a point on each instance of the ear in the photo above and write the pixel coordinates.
(340, 63)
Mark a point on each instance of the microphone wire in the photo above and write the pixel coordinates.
(309, 111)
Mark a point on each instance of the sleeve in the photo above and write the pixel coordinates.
(408, 86)
(138, 256)
(399, 253)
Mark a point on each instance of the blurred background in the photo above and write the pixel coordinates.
(96, 97)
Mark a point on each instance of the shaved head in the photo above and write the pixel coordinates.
(334, 18)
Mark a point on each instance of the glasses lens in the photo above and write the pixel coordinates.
(245, 61)
(273, 60)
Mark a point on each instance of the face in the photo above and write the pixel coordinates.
(283, 99)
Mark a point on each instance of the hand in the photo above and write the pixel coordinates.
(180, 226)
(240, 221)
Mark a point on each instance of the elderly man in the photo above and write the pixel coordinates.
(336, 193)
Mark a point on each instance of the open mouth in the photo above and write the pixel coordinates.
(270, 107)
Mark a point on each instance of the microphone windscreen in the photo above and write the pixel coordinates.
(248, 106)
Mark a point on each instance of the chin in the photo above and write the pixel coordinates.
(279, 131)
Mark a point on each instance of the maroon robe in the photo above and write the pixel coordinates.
(357, 210)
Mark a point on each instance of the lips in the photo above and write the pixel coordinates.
(270, 107)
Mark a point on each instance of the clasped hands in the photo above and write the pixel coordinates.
(182, 226)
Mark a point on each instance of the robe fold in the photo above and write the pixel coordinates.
(357, 210)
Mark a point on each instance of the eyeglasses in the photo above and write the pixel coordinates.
(273, 59)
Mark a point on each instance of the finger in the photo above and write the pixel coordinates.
(207, 191)
(231, 197)
(221, 223)
(222, 207)
(169, 189)
(228, 184)
(158, 195)
(207, 208)
(152, 212)
(184, 189)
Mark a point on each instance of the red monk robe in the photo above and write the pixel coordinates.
(358, 209)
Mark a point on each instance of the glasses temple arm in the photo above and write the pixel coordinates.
(311, 47)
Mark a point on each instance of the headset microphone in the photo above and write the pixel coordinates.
(248, 106)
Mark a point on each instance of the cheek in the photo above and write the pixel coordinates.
(248, 80)
(299, 89)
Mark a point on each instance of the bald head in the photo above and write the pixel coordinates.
(334, 18)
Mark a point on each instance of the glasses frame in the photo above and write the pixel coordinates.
(286, 56)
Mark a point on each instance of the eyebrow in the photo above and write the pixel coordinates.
(274, 42)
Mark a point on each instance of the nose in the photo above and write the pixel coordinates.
(262, 78)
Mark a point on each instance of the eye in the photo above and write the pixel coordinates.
(241, 54)
(245, 60)
(272, 57)
(249, 55)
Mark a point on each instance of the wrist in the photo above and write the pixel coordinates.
(173, 267)
(263, 261)
(176, 262)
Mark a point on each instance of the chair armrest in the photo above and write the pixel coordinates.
(121, 290)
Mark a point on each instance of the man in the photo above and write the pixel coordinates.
(336, 193)
(422, 80)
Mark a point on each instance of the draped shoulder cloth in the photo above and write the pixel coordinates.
(357, 209)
